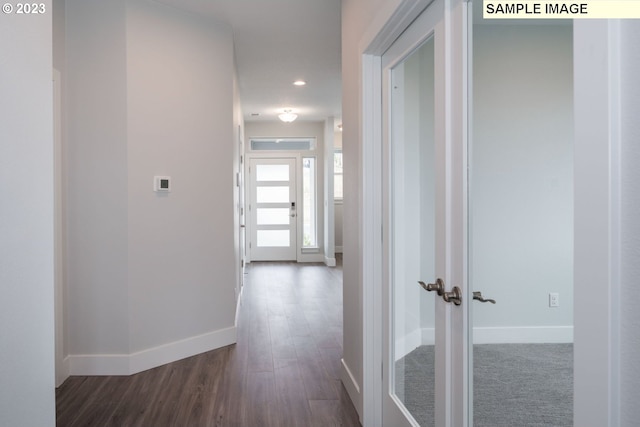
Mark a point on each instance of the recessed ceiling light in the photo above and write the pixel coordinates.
(299, 83)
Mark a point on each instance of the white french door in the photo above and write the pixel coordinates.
(424, 223)
(488, 208)
(273, 209)
(478, 217)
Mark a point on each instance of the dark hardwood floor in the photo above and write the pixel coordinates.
(283, 371)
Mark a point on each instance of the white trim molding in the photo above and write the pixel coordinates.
(491, 335)
(129, 364)
(330, 262)
(350, 384)
(597, 222)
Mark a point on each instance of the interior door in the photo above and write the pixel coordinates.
(417, 362)
(273, 209)
(482, 175)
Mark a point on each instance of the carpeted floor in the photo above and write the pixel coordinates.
(515, 385)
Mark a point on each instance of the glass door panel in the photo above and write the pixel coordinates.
(413, 258)
(273, 194)
(272, 173)
(273, 216)
(273, 238)
(520, 223)
(415, 185)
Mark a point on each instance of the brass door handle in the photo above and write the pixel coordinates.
(478, 296)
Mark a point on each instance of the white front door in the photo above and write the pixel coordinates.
(273, 209)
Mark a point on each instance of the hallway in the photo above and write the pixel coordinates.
(283, 371)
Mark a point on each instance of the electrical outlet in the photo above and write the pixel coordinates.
(554, 299)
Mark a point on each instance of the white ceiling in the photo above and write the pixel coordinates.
(276, 43)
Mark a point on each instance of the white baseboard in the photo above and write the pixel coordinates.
(238, 304)
(408, 343)
(329, 262)
(310, 257)
(492, 335)
(523, 335)
(99, 364)
(63, 372)
(128, 364)
(352, 387)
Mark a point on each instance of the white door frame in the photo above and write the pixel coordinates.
(596, 223)
(596, 217)
(61, 362)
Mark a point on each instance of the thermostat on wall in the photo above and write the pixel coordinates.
(162, 184)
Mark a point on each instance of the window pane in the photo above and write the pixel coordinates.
(287, 144)
(309, 202)
(272, 172)
(273, 238)
(272, 194)
(273, 216)
(337, 162)
(337, 186)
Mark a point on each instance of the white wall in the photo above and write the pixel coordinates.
(151, 277)
(357, 16)
(630, 265)
(97, 172)
(26, 248)
(521, 181)
(180, 123)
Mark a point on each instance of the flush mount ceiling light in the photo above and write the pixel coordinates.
(287, 116)
(299, 83)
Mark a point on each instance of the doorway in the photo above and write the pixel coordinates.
(273, 209)
(470, 186)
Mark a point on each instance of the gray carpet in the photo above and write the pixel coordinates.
(515, 385)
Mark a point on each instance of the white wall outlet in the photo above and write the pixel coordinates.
(554, 299)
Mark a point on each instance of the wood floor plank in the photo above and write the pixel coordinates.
(283, 371)
(292, 401)
(261, 399)
(317, 382)
(282, 346)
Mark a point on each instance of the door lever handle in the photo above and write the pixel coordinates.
(454, 296)
(477, 295)
(433, 287)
